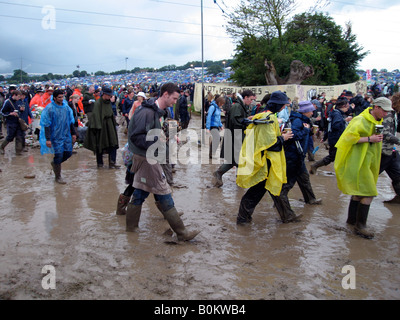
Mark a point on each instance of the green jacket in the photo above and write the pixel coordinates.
(87, 107)
(234, 132)
(102, 132)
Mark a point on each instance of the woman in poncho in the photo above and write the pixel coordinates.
(262, 164)
(358, 160)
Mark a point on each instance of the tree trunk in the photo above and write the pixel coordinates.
(298, 73)
(271, 77)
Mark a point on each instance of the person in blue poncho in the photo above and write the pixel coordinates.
(57, 134)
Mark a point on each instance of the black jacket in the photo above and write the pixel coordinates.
(10, 106)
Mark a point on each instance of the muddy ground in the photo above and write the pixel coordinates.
(73, 229)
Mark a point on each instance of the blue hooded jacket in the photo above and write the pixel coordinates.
(300, 134)
(59, 119)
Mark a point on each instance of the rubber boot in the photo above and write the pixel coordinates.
(352, 213)
(315, 166)
(284, 210)
(159, 207)
(19, 145)
(123, 201)
(177, 225)
(133, 213)
(395, 200)
(3, 145)
(112, 165)
(218, 179)
(315, 201)
(57, 173)
(310, 156)
(361, 222)
(245, 213)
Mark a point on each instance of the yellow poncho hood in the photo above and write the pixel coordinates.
(357, 164)
(253, 166)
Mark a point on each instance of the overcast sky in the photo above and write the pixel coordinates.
(100, 35)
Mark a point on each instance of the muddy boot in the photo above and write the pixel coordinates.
(113, 165)
(132, 217)
(245, 213)
(123, 201)
(315, 201)
(57, 173)
(284, 210)
(177, 225)
(352, 213)
(19, 146)
(218, 179)
(361, 222)
(292, 217)
(159, 207)
(315, 166)
(3, 145)
(395, 200)
(310, 156)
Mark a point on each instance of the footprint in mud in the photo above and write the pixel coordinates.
(328, 173)
(179, 186)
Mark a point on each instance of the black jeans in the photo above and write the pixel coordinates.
(391, 164)
(331, 156)
(112, 156)
(297, 172)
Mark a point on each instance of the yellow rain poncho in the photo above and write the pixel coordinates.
(357, 164)
(253, 166)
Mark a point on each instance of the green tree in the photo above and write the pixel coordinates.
(312, 38)
(335, 46)
(19, 76)
(214, 69)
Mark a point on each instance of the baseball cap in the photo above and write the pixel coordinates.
(384, 103)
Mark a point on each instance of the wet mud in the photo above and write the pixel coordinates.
(73, 229)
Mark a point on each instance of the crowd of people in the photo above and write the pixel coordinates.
(268, 142)
(358, 130)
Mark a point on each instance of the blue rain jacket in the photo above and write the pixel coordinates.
(59, 119)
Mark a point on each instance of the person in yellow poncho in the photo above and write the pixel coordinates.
(262, 164)
(358, 160)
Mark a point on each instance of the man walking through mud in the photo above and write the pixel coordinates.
(358, 160)
(148, 173)
(59, 134)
